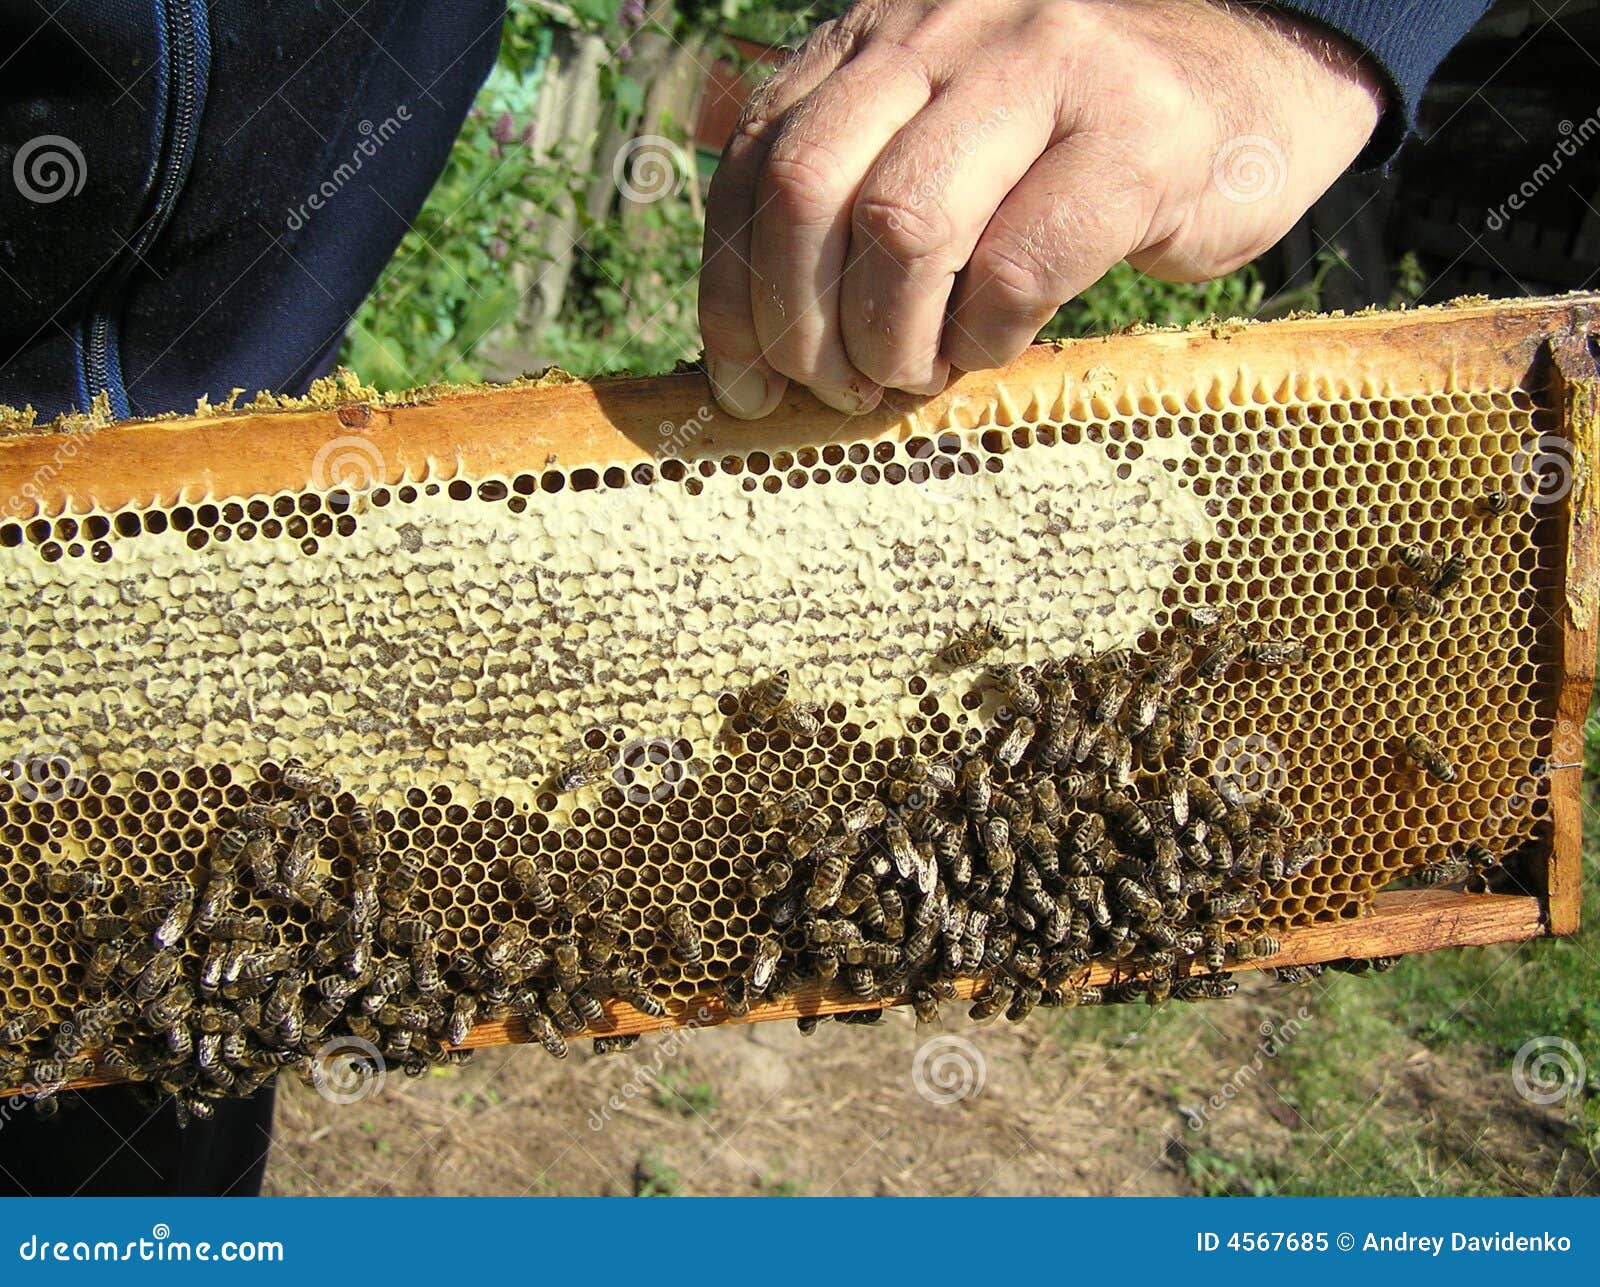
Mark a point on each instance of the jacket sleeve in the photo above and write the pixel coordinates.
(1404, 41)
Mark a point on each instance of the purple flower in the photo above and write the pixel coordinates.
(498, 249)
(504, 130)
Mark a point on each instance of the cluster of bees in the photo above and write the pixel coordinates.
(1081, 828)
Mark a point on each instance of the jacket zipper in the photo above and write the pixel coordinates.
(183, 31)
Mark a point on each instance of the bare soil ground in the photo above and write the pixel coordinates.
(1068, 1104)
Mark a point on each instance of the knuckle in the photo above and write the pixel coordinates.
(909, 231)
(1012, 277)
(804, 180)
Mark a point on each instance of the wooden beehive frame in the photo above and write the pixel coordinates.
(1545, 346)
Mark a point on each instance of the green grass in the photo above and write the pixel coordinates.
(677, 1091)
(654, 1177)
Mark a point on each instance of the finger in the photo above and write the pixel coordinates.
(741, 380)
(801, 231)
(1058, 232)
(917, 220)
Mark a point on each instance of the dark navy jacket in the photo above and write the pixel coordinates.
(197, 194)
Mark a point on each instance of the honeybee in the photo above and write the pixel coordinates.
(102, 968)
(1016, 692)
(587, 894)
(1422, 562)
(765, 698)
(779, 809)
(544, 1032)
(228, 847)
(265, 817)
(1221, 907)
(1414, 603)
(1254, 949)
(1144, 707)
(808, 832)
(20, 1027)
(1011, 748)
(261, 857)
(1449, 575)
(408, 931)
(1275, 652)
(76, 883)
(369, 844)
(1303, 853)
(861, 982)
(798, 719)
(685, 934)
(992, 1001)
(865, 816)
(534, 885)
(971, 644)
(766, 964)
(1427, 756)
(1110, 690)
(1496, 502)
(769, 879)
(1294, 973)
(176, 922)
(1185, 726)
(1128, 816)
(425, 971)
(1203, 987)
(301, 781)
(1200, 618)
(161, 969)
(509, 939)
(827, 881)
(1227, 649)
(94, 928)
(977, 787)
(247, 928)
(585, 769)
(615, 1045)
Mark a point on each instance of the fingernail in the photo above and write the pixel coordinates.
(748, 392)
(851, 401)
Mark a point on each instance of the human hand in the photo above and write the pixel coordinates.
(923, 184)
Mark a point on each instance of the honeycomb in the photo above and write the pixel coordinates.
(446, 642)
